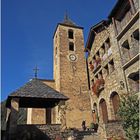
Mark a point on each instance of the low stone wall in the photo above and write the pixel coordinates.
(51, 132)
(114, 128)
(37, 132)
(78, 135)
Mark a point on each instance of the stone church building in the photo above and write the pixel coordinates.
(84, 88)
(65, 100)
(70, 78)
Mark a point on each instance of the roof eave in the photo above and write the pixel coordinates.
(88, 43)
(114, 10)
(92, 33)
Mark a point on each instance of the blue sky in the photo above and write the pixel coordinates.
(27, 35)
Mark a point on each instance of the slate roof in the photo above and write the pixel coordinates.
(37, 89)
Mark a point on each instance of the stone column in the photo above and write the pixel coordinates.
(29, 116)
(13, 118)
(132, 6)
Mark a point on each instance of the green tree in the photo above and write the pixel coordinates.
(129, 114)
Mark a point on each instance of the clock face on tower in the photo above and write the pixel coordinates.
(72, 57)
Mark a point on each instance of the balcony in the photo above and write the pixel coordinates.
(109, 52)
(135, 49)
(122, 21)
(96, 64)
(133, 81)
(106, 55)
(98, 86)
(131, 53)
(91, 67)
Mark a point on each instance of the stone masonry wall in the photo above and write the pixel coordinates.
(37, 132)
(73, 77)
(38, 116)
(49, 83)
(132, 62)
(112, 80)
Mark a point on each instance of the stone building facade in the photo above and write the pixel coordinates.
(126, 26)
(106, 78)
(113, 57)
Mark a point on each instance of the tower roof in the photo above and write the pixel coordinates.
(68, 21)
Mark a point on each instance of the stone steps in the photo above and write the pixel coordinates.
(84, 135)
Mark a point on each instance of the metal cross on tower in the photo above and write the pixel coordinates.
(36, 71)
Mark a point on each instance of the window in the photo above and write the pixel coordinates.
(90, 62)
(71, 46)
(111, 66)
(92, 81)
(106, 70)
(133, 80)
(96, 77)
(97, 53)
(136, 35)
(125, 49)
(103, 49)
(70, 34)
(100, 75)
(94, 58)
(126, 45)
(107, 42)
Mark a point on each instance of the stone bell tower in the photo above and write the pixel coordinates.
(70, 72)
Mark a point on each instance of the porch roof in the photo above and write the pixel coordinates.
(36, 94)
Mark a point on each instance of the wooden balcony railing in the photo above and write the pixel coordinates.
(98, 86)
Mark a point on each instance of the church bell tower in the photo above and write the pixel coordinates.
(70, 73)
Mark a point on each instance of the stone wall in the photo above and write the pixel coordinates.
(50, 83)
(131, 59)
(71, 77)
(112, 81)
(114, 129)
(79, 135)
(37, 132)
(38, 116)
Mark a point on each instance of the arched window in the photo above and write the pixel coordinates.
(103, 110)
(70, 34)
(71, 46)
(115, 101)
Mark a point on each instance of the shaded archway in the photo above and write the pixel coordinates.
(115, 101)
(103, 110)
